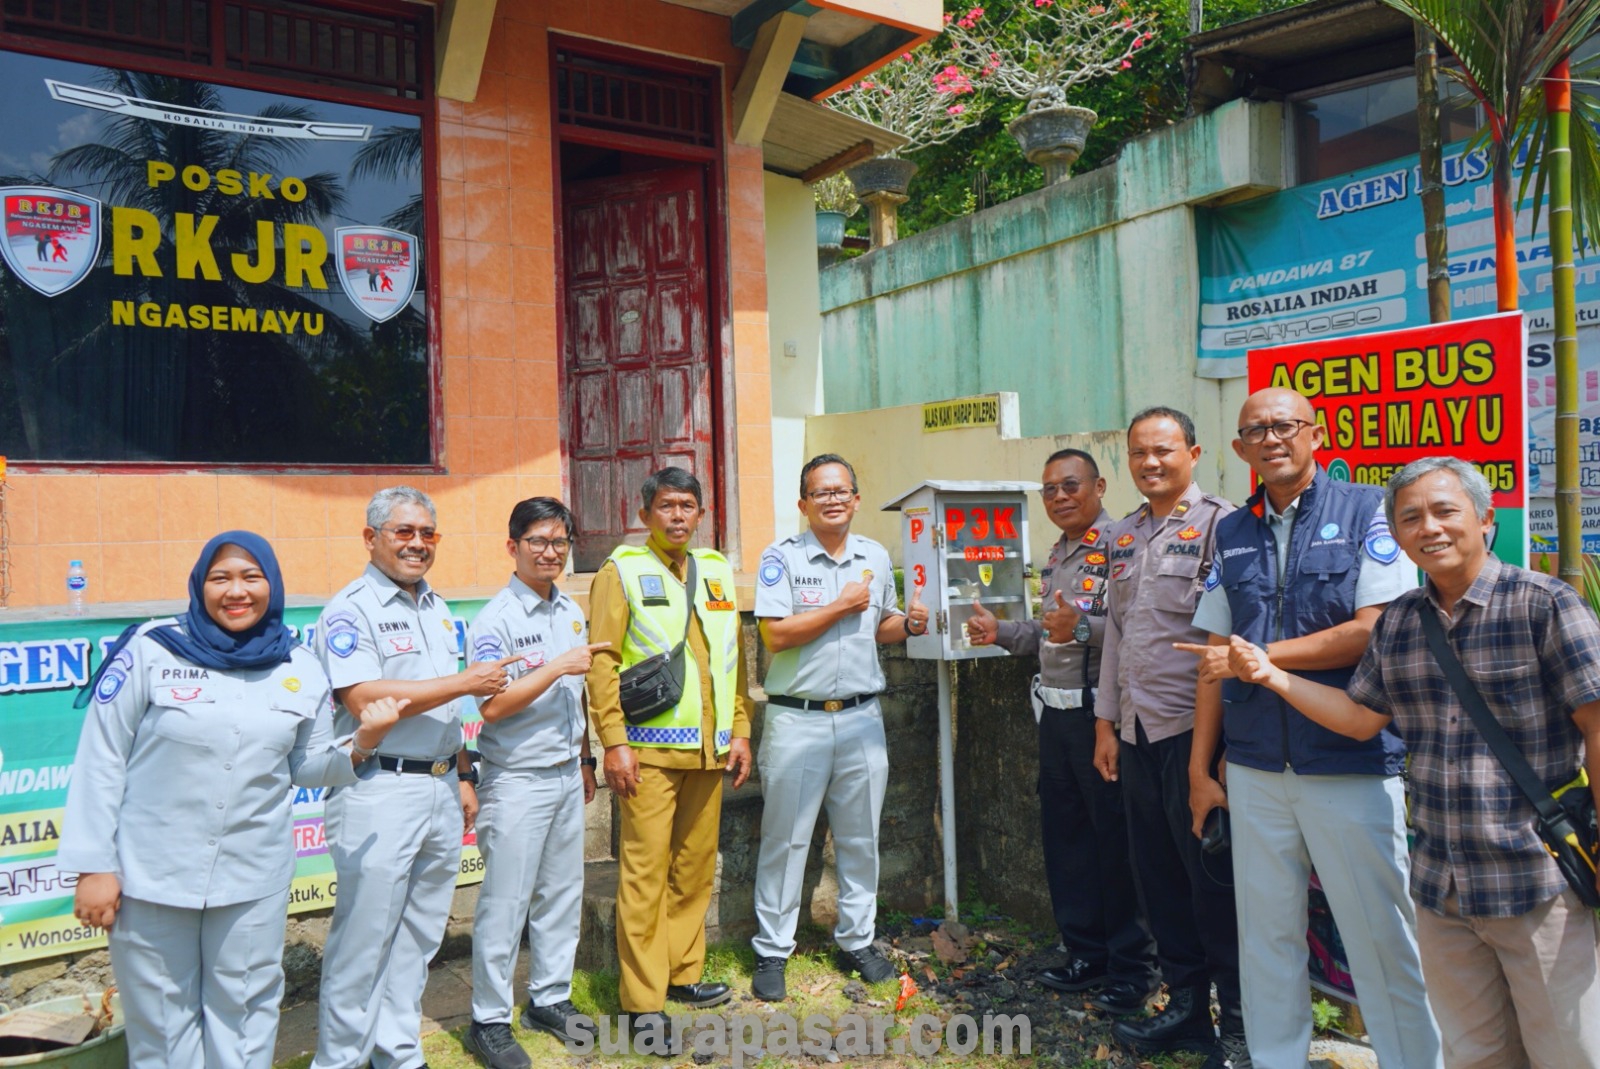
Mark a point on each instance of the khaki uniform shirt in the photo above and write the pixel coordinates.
(1158, 570)
(1078, 567)
(608, 622)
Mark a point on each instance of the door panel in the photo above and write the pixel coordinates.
(637, 359)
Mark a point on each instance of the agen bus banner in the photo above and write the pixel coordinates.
(167, 240)
(42, 665)
(1346, 255)
(1388, 398)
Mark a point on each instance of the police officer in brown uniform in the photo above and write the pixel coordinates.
(1160, 555)
(1084, 831)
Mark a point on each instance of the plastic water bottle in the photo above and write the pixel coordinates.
(77, 585)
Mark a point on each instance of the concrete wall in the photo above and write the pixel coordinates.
(1081, 298)
(795, 327)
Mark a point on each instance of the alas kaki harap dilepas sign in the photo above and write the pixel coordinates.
(161, 228)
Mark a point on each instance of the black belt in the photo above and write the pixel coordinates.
(420, 765)
(820, 705)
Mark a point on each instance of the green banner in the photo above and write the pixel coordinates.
(42, 665)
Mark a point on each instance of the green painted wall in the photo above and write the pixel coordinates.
(1080, 298)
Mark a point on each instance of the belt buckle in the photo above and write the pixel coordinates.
(440, 768)
(832, 705)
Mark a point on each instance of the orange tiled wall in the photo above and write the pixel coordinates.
(138, 534)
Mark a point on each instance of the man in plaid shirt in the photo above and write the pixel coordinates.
(1508, 951)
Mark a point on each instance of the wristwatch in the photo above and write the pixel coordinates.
(1082, 632)
(469, 776)
(589, 762)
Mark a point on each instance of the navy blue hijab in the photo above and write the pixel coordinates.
(203, 641)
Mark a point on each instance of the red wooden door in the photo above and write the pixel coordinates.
(637, 359)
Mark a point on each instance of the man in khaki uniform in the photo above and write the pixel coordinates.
(667, 771)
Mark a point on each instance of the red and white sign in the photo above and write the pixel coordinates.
(52, 236)
(377, 268)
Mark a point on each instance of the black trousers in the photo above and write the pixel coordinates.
(1085, 838)
(1187, 895)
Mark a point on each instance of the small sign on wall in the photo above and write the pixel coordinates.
(961, 412)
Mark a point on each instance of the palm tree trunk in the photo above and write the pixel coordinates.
(1569, 498)
(1431, 151)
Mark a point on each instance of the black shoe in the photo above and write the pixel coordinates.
(767, 983)
(553, 1019)
(1231, 1053)
(1075, 975)
(869, 962)
(1121, 998)
(657, 1024)
(698, 996)
(1185, 1024)
(495, 1046)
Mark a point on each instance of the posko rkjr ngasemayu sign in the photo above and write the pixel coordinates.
(1446, 389)
(194, 271)
(42, 665)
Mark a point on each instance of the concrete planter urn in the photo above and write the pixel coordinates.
(1052, 137)
(881, 185)
(830, 229)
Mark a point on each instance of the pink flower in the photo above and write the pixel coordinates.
(1098, 9)
(1126, 64)
(1041, 3)
(956, 109)
(866, 84)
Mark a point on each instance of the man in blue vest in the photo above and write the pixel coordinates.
(1305, 569)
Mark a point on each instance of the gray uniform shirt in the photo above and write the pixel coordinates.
(1078, 567)
(182, 781)
(548, 732)
(374, 630)
(797, 575)
(1158, 566)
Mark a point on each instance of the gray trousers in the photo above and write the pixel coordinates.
(1352, 828)
(395, 840)
(530, 831)
(811, 760)
(200, 987)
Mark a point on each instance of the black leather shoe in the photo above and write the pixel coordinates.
(869, 962)
(1075, 975)
(656, 1028)
(495, 1046)
(1185, 1024)
(767, 983)
(554, 1018)
(1121, 999)
(698, 996)
(1231, 1053)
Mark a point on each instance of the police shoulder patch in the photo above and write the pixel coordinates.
(1214, 576)
(343, 642)
(772, 569)
(487, 648)
(1380, 544)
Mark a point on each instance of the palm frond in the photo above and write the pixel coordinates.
(395, 152)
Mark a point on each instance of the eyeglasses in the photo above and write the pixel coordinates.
(539, 545)
(1283, 431)
(1067, 488)
(825, 497)
(429, 535)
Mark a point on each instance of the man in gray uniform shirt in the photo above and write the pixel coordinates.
(825, 599)
(532, 789)
(395, 834)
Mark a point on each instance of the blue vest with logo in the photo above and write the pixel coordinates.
(1334, 520)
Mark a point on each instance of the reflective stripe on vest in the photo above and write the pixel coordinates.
(654, 629)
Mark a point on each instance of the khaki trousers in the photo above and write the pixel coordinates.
(1513, 992)
(666, 861)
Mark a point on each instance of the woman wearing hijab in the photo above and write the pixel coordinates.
(178, 817)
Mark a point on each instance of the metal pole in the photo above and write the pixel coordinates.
(947, 791)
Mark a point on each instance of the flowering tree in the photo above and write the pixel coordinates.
(1043, 48)
(919, 95)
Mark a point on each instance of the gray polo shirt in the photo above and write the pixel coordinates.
(548, 732)
(374, 630)
(797, 575)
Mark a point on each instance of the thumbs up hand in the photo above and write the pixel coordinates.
(916, 612)
(982, 629)
(1060, 619)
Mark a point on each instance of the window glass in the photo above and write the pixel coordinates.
(199, 273)
(1355, 127)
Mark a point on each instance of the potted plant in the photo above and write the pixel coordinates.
(922, 97)
(836, 202)
(1041, 51)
